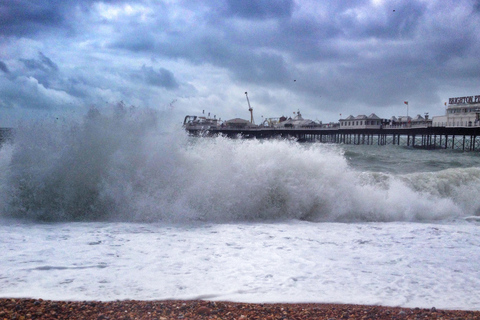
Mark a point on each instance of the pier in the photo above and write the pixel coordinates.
(454, 138)
(458, 129)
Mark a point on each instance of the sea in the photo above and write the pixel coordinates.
(116, 206)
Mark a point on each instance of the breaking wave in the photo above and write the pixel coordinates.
(121, 165)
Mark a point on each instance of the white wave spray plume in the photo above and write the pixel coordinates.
(120, 165)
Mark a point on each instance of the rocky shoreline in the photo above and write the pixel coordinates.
(21, 309)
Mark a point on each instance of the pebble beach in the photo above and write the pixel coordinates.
(20, 309)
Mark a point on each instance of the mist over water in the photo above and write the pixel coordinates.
(122, 165)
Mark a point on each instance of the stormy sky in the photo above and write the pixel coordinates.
(328, 59)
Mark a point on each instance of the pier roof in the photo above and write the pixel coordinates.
(372, 116)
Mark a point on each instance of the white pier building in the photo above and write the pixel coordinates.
(461, 112)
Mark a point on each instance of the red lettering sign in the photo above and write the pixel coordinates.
(467, 99)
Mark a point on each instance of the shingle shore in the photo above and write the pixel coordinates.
(21, 309)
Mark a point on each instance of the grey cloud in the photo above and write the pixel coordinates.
(137, 41)
(397, 20)
(245, 65)
(47, 62)
(161, 78)
(262, 68)
(28, 93)
(27, 18)
(405, 21)
(259, 9)
(476, 6)
(78, 86)
(42, 68)
(4, 67)
(21, 17)
(43, 63)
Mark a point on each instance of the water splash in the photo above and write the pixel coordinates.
(121, 165)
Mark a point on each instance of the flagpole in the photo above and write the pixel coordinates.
(406, 102)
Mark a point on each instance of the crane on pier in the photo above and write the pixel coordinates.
(250, 109)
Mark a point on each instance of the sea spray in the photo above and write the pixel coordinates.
(57, 169)
(122, 165)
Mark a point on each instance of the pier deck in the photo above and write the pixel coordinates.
(457, 138)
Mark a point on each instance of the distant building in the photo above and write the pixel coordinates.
(296, 122)
(238, 123)
(408, 122)
(361, 122)
(420, 121)
(461, 112)
(200, 122)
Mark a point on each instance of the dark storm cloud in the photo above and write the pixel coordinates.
(4, 67)
(476, 6)
(217, 42)
(239, 47)
(42, 68)
(161, 78)
(262, 68)
(46, 61)
(24, 17)
(245, 65)
(377, 53)
(27, 18)
(259, 9)
(43, 63)
(382, 55)
(136, 41)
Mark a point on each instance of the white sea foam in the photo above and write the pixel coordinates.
(395, 264)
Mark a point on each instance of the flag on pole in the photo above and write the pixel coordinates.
(406, 102)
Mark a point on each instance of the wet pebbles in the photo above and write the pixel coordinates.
(21, 309)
